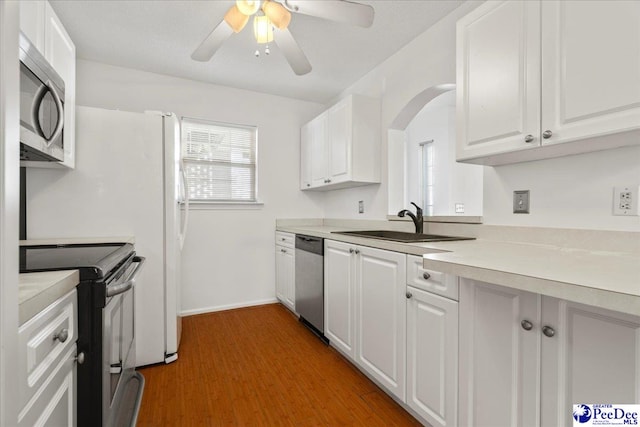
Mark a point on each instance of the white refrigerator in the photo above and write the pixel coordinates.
(128, 181)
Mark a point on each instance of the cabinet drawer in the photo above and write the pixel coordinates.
(285, 239)
(432, 281)
(38, 351)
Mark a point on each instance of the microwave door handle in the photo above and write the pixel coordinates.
(128, 284)
(60, 125)
(35, 109)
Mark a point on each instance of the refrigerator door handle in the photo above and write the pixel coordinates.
(185, 224)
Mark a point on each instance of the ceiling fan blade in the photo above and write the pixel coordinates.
(292, 52)
(334, 10)
(212, 43)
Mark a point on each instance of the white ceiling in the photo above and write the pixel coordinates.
(160, 35)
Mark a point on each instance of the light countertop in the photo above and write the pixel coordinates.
(36, 291)
(607, 279)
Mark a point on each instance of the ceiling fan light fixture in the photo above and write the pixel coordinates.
(236, 19)
(277, 13)
(262, 29)
(248, 7)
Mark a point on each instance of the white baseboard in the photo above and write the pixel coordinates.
(213, 309)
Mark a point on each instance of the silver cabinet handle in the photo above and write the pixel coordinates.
(426, 276)
(526, 325)
(62, 335)
(548, 331)
(409, 295)
(528, 138)
(80, 358)
(547, 134)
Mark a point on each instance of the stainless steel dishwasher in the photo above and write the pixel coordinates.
(310, 282)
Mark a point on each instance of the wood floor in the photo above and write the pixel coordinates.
(259, 366)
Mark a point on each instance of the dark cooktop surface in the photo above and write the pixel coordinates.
(94, 261)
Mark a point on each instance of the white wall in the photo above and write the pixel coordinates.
(568, 192)
(453, 182)
(228, 258)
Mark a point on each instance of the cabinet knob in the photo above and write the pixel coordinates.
(528, 138)
(547, 134)
(526, 325)
(409, 295)
(62, 335)
(357, 251)
(426, 276)
(308, 185)
(548, 331)
(328, 180)
(351, 250)
(80, 358)
(283, 250)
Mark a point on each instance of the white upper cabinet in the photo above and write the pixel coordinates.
(341, 147)
(42, 27)
(498, 78)
(591, 68)
(544, 79)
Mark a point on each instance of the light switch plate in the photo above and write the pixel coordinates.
(521, 202)
(361, 206)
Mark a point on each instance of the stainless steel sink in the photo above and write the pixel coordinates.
(401, 236)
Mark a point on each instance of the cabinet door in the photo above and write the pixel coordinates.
(432, 357)
(55, 404)
(339, 296)
(593, 357)
(498, 79)
(499, 359)
(285, 276)
(381, 317)
(32, 22)
(60, 51)
(590, 68)
(306, 140)
(318, 149)
(340, 141)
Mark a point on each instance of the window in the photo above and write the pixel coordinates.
(427, 176)
(219, 161)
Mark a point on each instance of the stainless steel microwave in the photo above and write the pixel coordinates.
(41, 107)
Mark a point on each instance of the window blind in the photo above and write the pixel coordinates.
(219, 161)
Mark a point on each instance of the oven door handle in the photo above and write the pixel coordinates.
(128, 284)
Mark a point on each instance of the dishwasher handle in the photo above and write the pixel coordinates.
(310, 244)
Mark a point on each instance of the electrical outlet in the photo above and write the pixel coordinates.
(625, 200)
(459, 208)
(361, 206)
(521, 202)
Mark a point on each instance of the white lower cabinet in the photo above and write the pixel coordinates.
(339, 296)
(381, 316)
(432, 357)
(47, 367)
(365, 310)
(285, 269)
(525, 359)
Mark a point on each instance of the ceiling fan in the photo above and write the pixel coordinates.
(271, 19)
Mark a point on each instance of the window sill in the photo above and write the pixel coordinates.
(196, 206)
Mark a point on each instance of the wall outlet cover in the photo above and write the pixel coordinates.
(521, 202)
(625, 200)
(459, 208)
